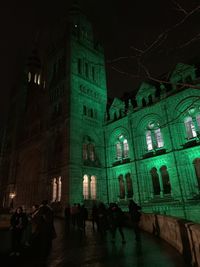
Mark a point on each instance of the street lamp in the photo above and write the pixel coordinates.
(12, 196)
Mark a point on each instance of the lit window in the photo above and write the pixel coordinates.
(149, 140)
(93, 187)
(85, 154)
(154, 137)
(198, 120)
(38, 81)
(118, 150)
(29, 77)
(122, 148)
(190, 128)
(85, 187)
(59, 189)
(126, 148)
(158, 137)
(35, 78)
(91, 152)
(54, 192)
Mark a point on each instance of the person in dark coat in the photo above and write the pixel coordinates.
(95, 217)
(116, 216)
(44, 229)
(67, 216)
(135, 214)
(18, 224)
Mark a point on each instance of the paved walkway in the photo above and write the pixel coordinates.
(70, 250)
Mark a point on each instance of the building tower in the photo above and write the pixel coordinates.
(78, 95)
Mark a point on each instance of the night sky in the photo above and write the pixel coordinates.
(122, 26)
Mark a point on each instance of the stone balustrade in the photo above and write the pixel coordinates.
(181, 234)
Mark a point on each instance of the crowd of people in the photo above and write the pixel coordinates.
(37, 230)
(104, 218)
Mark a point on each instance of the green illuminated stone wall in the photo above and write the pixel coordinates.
(175, 160)
(141, 153)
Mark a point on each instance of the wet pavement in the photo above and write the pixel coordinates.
(71, 250)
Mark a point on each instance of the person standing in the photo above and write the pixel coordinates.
(18, 223)
(135, 214)
(115, 215)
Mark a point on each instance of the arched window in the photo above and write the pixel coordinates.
(144, 102)
(29, 76)
(165, 180)
(125, 148)
(85, 186)
(197, 170)
(158, 137)
(121, 187)
(54, 189)
(35, 78)
(129, 186)
(85, 152)
(39, 79)
(122, 147)
(150, 99)
(155, 181)
(190, 128)
(59, 182)
(198, 120)
(91, 152)
(118, 151)
(154, 139)
(149, 140)
(93, 187)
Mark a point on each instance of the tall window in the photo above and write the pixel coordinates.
(155, 181)
(129, 186)
(59, 188)
(56, 189)
(121, 187)
(118, 151)
(91, 152)
(149, 140)
(154, 137)
(35, 78)
(93, 187)
(122, 148)
(198, 120)
(29, 77)
(126, 148)
(85, 187)
(85, 153)
(190, 128)
(197, 170)
(158, 137)
(165, 180)
(39, 79)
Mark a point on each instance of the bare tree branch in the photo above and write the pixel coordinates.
(179, 7)
(194, 39)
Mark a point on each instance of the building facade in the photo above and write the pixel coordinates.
(63, 144)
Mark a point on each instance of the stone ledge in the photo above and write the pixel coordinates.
(181, 234)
